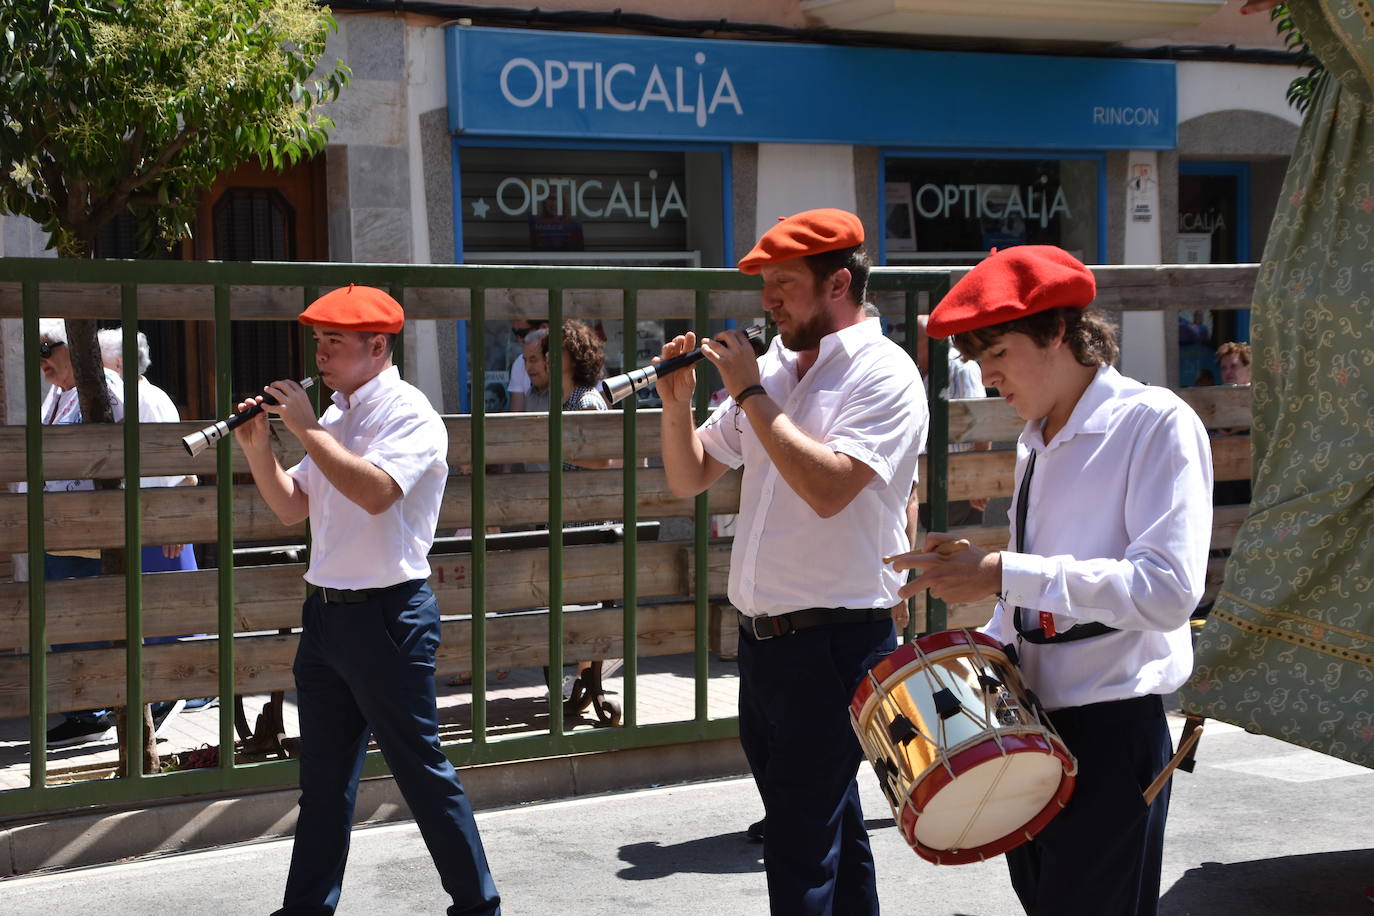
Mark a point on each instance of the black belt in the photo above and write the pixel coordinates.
(764, 627)
(352, 595)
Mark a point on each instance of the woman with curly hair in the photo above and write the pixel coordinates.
(583, 359)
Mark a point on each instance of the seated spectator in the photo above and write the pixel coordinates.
(965, 381)
(155, 406)
(519, 385)
(1233, 357)
(583, 359)
(537, 370)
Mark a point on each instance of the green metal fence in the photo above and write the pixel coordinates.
(128, 291)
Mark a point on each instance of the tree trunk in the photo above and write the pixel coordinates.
(90, 372)
(151, 764)
(94, 396)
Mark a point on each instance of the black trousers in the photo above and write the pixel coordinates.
(794, 726)
(1101, 856)
(368, 669)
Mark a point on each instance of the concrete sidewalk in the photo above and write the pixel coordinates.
(1261, 828)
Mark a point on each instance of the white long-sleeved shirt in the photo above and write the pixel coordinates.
(1118, 529)
(862, 398)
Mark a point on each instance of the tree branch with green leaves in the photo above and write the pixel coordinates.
(108, 105)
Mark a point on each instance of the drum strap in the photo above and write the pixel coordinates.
(1037, 635)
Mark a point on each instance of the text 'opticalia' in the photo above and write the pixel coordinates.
(991, 201)
(1210, 221)
(569, 197)
(525, 83)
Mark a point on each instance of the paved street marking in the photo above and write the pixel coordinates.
(1299, 766)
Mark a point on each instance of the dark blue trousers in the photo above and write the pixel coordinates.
(794, 726)
(368, 669)
(1101, 855)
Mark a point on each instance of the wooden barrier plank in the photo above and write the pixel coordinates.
(974, 475)
(87, 451)
(81, 452)
(269, 597)
(187, 515)
(175, 515)
(94, 678)
(993, 420)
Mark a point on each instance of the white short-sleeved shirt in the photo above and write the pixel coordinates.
(862, 398)
(391, 424)
(965, 377)
(519, 377)
(1118, 527)
(156, 406)
(965, 381)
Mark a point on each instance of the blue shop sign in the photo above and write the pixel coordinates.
(510, 82)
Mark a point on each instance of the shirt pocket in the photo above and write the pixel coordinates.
(818, 412)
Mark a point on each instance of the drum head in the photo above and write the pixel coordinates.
(986, 809)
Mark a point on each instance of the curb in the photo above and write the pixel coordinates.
(72, 841)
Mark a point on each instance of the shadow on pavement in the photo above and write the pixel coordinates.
(722, 854)
(1329, 883)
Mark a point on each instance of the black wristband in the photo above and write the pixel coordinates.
(748, 393)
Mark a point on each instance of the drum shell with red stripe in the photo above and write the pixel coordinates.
(998, 746)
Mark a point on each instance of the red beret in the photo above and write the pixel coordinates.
(1010, 284)
(810, 232)
(356, 308)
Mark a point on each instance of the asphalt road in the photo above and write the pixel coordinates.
(1261, 827)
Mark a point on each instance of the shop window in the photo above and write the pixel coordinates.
(952, 211)
(1212, 229)
(588, 207)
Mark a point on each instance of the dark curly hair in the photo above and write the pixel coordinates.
(1090, 338)
(584, 348)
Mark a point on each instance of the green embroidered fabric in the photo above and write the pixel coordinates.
(1288, 650)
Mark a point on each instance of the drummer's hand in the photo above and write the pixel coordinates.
(965, 575)
(676, 387)
(901, 615)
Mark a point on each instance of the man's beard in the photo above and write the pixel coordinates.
(801, 337)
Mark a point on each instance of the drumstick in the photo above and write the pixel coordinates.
(947, 549)
(1184, 747)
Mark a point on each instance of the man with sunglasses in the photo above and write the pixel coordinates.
(62, 407)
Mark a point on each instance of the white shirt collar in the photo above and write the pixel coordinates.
(848, 340)
(382, 381)
(1092, 413)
